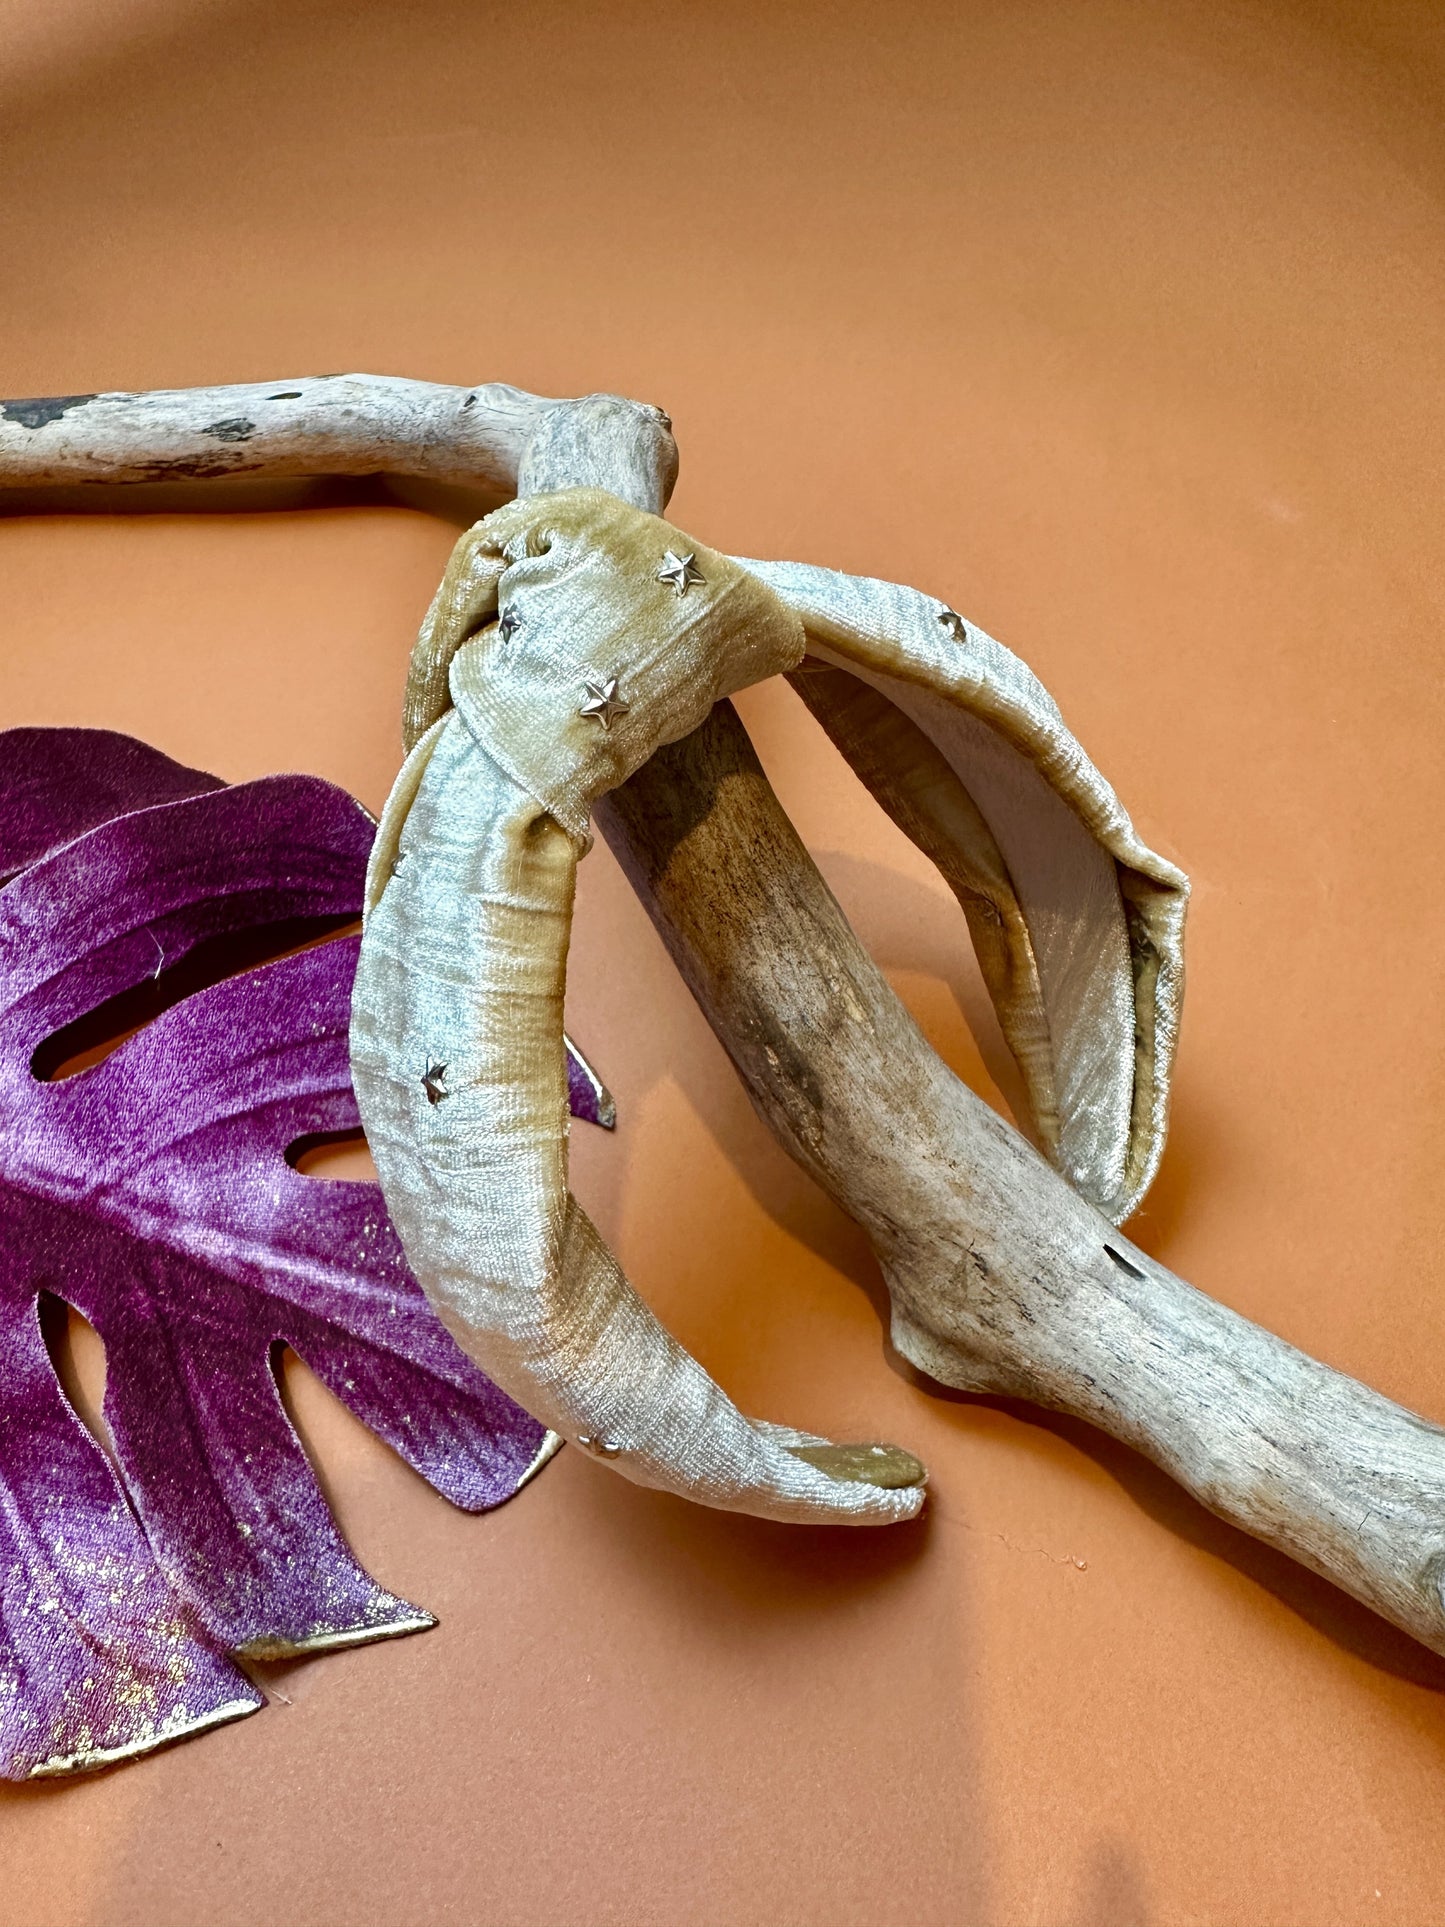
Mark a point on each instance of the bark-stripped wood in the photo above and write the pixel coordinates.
(1002, 1279)
(483, 437)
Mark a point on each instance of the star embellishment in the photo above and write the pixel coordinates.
(680, 572)
(434, 1083)
(603, 704)
(510, 623)
(953, 622)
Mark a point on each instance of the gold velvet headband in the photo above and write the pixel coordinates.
(573, 636)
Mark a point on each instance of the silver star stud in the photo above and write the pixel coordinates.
(510, 623)
(603, 704)
(680, 572)
(398, 860)
(953, 622)
(434, 1083)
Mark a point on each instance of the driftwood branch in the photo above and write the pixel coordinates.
(490, 437)
(1002, 1278)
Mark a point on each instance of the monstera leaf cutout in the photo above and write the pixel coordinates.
(152, 1191)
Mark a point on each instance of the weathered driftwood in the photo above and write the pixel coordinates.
(1002, 1277)
(487, 437)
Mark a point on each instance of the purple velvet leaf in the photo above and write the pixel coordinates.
(153, 1192)
(57, 783)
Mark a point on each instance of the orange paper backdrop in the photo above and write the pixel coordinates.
(1118, 325)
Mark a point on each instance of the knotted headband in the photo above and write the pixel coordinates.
(572, 637)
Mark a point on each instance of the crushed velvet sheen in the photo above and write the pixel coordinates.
(152, 1192)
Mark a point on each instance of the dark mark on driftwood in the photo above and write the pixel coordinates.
(36, 410)
(236, 429)
(190, 468)
(1125, 1265)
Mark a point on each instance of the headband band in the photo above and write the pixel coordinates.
(573, 636)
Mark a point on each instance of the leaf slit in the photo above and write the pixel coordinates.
(337, 1157)
(89, 1040)
(77, 1357)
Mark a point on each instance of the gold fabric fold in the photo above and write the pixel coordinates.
(919, 788)
(1086, 964)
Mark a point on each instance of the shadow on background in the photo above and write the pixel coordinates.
(753, 1571)
(1351, 1626)
(1113, 1888)
(248, 495)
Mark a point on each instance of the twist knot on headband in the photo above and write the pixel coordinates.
(573, 636)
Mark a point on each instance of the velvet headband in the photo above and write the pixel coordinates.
(573, 636)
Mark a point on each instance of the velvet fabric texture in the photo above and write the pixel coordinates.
(616, 634)
(572, 636)
(1077, 923)
(153, 1192)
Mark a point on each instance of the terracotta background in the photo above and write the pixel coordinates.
(1117, 324)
